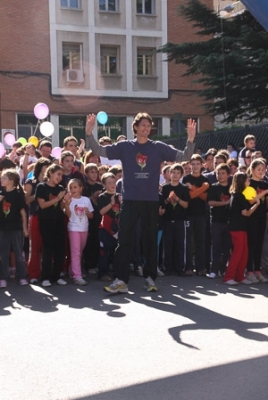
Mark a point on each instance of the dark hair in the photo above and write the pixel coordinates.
(65, 154)
(115, 169)
(139, 117)
(177, 167)
(46, 143)
(13, 175)
(91, 166)
(69, 139)
(75, 180)
(232, 161)
(210, 152)
(238, 182)
(90, 154)
(6, 163)
(40, 163)
(196, 157)
(106, 176)
(223, 167)
(52, 169)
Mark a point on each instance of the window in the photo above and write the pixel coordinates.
(108, 5)
(145, 58)
(71, 4)
(71, 56)
(109, 60)
(145, 7)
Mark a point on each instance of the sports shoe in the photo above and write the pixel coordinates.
(80, 282)
(33, 281)
(92, 271)
(139, 271)
(159, 272)
(3, 283)
(212, 275)
(252, 278)
(231, 282)
(61, 282)
(246, 281)
(117, 286)
(260, 277)
(150, 285)
(46, 283)
(23, 282)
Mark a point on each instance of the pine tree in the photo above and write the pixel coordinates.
(230, 60)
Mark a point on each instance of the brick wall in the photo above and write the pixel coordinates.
(24, 32)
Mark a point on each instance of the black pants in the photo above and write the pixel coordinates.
(196, 228)
(173, 240)
(221, 245)
(53, 235)
(130, 212)
(256, 231)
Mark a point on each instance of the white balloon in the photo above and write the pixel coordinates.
(47, 128)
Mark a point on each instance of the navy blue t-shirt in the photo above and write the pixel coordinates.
(141, 167)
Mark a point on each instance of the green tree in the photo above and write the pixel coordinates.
(230, 61)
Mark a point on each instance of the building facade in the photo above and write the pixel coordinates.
(84, 56)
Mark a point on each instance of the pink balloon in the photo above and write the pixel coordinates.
(9, 139)
(2, 149)
(41, 110)
(56, 152)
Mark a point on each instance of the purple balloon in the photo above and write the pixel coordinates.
(56, 152)
(41, 110)
(2, 149)
(9, 139)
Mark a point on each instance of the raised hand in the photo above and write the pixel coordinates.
(191, 129)
(91, 120)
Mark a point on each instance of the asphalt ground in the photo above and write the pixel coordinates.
(194, 339)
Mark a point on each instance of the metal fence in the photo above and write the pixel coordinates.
(220, 139)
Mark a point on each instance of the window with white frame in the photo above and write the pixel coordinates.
(108, 5)
(145, 6)
(76, 4)
(109, 60)
(145, 61)
(71, 56)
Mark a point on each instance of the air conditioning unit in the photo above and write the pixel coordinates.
(74, 76)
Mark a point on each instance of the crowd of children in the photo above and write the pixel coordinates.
(59, 218)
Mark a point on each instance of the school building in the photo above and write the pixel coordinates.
(86, 56)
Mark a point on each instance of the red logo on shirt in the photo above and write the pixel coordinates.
(6, 207)
(141, 160)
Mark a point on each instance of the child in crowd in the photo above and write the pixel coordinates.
(109, 206)
(78, 209)
(218, 200)
(239, 211)
(13, 225)
(117, 171)
(257, 222)
(70, 143)
(94, 189)
(49, 195)
(102, 170)
(34, 267)
(196, 217)
(186, 165)
(176, 196)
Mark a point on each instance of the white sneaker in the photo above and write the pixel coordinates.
(80, 282)
(46, 283)
(252, 278)
(117, 286)
(139, 271)
(33, 281)
(150, 286)
(61, 282)
(231, 282)
(23, 282)
(159, 272)
(212, 275)
(246, 282)
(260, 277)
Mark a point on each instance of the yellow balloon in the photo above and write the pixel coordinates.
(249, 193)
(33, 140)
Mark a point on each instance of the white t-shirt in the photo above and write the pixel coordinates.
(78, 221)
